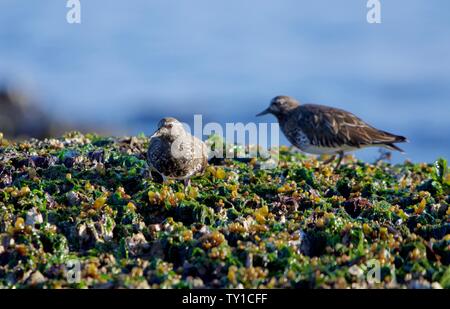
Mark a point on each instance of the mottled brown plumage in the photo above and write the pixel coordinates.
(319, 129)
(174, 153)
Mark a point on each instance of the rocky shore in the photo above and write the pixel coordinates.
(82, 211)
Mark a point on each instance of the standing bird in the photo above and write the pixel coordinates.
(174, 153)
(319, 129)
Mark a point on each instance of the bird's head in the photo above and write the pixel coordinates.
(280, 105)
(169, 127)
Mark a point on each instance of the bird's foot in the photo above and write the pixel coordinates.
(331, 160)
(187, 185)
(385, 155)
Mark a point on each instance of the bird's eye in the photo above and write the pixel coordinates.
(169, 126)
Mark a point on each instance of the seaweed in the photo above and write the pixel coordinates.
(90, 201)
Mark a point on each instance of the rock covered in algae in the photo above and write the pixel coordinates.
(90, 200)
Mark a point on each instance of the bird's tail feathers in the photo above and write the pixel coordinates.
(391, 146)
(388, 139)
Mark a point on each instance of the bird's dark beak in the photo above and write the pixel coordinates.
(265, 112)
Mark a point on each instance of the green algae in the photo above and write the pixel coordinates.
(90, 199)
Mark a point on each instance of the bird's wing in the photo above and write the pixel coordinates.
(155, 149)
(330, 127)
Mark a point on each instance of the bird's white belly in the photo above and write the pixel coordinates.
(327, 150)
(320, 150)
(301, 141)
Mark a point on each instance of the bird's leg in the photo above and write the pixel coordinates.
(187, 184)
(329, 160)
(341, 156)
(165, 180)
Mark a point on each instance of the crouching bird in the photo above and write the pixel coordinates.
(319, 129)
(174, 153)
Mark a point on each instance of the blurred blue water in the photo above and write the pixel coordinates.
(131, 62)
